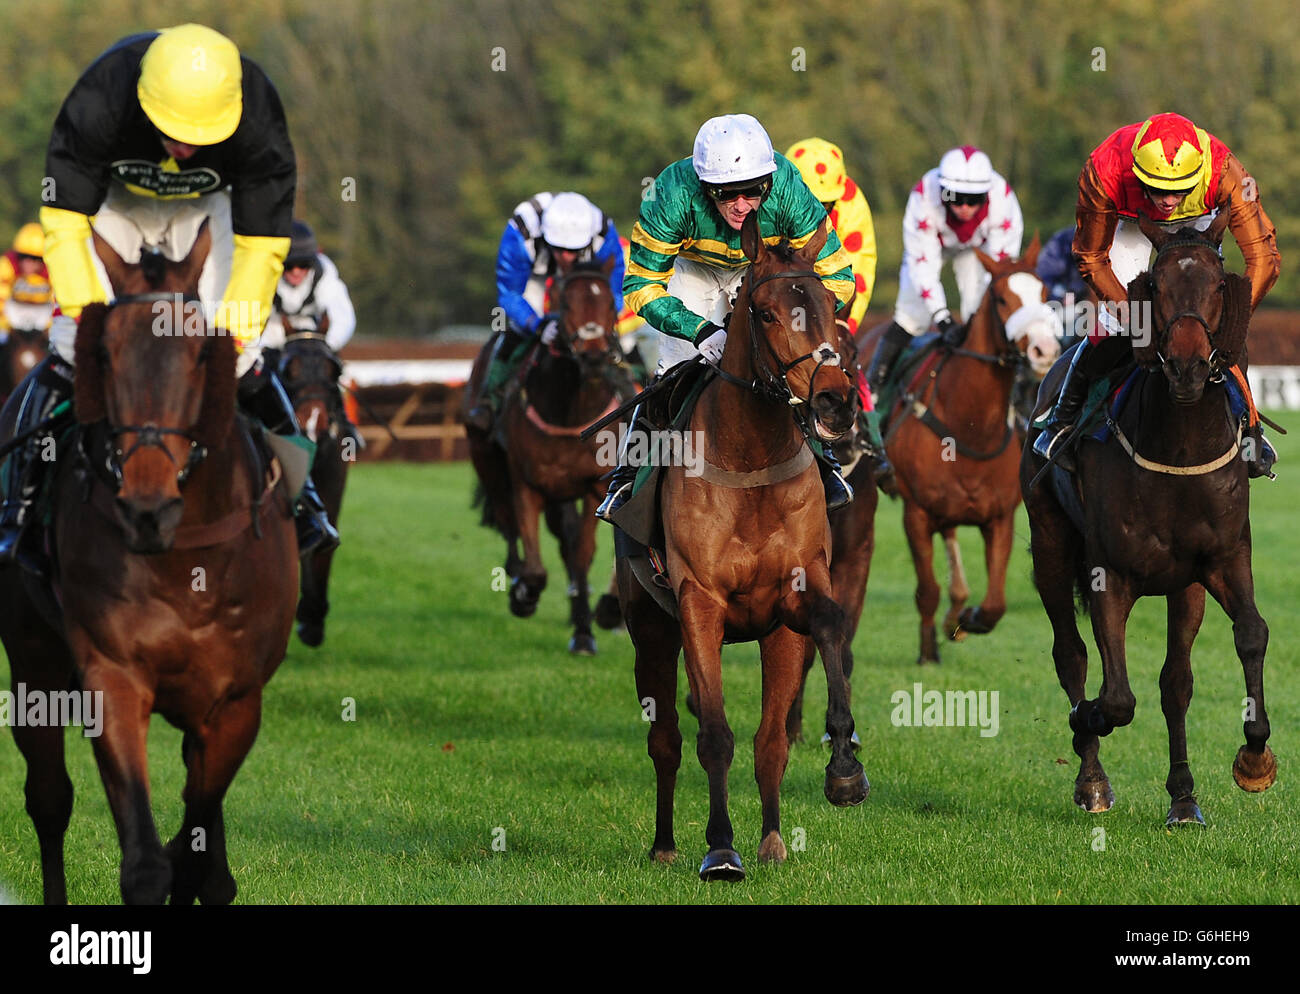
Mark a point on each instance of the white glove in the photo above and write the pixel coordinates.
(711, 347)
(549, 330)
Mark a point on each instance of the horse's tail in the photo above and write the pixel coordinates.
(1083, 578)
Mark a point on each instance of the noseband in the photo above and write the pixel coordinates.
(586, 332)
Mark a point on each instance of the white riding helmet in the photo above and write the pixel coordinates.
(567, 222)
(965, 170)
(731, 149)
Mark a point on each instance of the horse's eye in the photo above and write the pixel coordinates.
(767, 316)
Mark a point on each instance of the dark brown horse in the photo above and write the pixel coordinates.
(954, 453)
(544, 467)
(1170, 518)
(310, 371)
(176, 570)
(748, 552)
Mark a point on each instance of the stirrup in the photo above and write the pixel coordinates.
(614, 500)
(1050, 441)
(315, 533)
(838, 491)
(1262, 464)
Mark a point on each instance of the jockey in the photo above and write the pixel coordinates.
(1178, 175)
(547, 235)
(821, 164)
(163, 131)
(310, 296)
(687, 261)
(1058, 268)
(958, 207)
(25, 297)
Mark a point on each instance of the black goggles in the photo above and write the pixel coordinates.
(964, 199)
(725, 194)
(1154, 192)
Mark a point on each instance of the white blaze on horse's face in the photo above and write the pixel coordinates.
(591, 330)
(1035, 320)
(309, 429)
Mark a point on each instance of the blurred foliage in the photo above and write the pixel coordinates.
(401, 101)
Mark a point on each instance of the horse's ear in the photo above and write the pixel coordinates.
(1156, 235)
(217, 412)
(1230, 339)
(1141, 309)
(88, 385)
(1030, 256)
(816, 242)
(114, 266)
(751, 242)
(1218, 227)
(189, 268)
(987, 261)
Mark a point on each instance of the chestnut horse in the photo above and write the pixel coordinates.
(1167, 515)
(954, 453)
(748, 551)
(310, 371)
(175, 568)
(544, 466)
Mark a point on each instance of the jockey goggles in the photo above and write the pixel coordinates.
(725, 194)
(1155, 192)
(955, 199)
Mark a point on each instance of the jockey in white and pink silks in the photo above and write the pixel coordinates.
(961, 206)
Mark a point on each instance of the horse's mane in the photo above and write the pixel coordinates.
(217, 412)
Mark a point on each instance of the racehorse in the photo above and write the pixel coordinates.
(952, 449)
(748, 551)
(544, 467)
(310, 371)
(1165, 512)
(175, 569)
(19, 356)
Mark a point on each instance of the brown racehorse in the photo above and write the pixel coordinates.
(955, 456)
(310, 371)
(1175, 525)
(19, 356)
(749, 559)
(176, 580)
(545, 467)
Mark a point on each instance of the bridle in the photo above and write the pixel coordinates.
(613, 351)
(775, 384)
(150, 435)
(1215, 361)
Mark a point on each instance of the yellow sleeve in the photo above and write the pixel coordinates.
(858, 236)
(68, 259)
(254, 273)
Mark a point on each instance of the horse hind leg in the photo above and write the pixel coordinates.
(212, 757)
(527, 586)
(997, 553)
(783, 654)
(578, 544)
(794, 718)
(846, 782)
(920, 532)
(1185, 611)
(958, 588)
(608, 614)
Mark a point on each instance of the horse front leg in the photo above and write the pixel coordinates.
(608, 614)
(1233, 586)
(703, 619)
(997, 535)
(920, 531)
(581, 527)
(146, 874)
(1115, 703)
(526, 588)
(1184, 613)
(958, 588)
(213, 754)
(846, 783)
(794, 718)
(782, 653)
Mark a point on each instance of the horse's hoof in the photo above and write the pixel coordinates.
(923, 659)
(666, 856)
(972, 622)
(853, 741)
(608, 613)
(1184, 811)
(1254, 772)
(722, 864)
(311, 633)
(847, 792)
(952, 627)
(522, 604)
(772, 849)
(1094, 796)
(582, 644)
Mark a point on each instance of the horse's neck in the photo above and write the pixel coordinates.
(1178, 434)
(223, 480)
(972, 392)
(562, 396)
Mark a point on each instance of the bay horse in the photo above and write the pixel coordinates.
(951, 444)
(747, 559)
(1169, 518)
(19, 355)
(535, 464)
(310, 371)
(175, 569)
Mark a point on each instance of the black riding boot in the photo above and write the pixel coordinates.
(1074, 391)
(44, 389)
(620, 484)
(263, 396)
(838, 491)
(887, 352)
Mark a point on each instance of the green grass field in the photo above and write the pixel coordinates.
(475, 729)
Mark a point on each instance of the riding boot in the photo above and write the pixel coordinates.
(1264, 455)
(621, 483)
(1074, 391)
(838, 491)
(44, 390)
(484, 413)
(263, 396)
(887, 352)
(873, 448)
